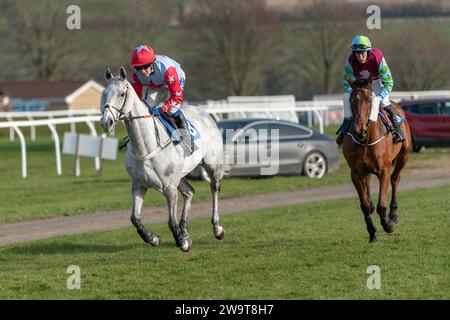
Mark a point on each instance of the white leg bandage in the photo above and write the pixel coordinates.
(385, 102)
(377, 86)
(375, 107)
(347, 107)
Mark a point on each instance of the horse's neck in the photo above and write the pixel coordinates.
(141, 131)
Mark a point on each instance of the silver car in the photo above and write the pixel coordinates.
(299, 150)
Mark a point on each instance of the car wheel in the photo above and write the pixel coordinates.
(414, 146)
(315, 165)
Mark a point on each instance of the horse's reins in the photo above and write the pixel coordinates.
(367, 144)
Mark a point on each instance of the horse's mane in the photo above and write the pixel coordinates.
(361, 83)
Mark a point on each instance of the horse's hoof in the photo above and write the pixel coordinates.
(393, 220)
(219, 233)
(155, 240)
(373, 240)
(389, 227)
(186, 244)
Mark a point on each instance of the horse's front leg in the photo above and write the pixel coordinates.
(369, 196)
(384, 178)
(138, 192)
(364, 198)
(171, 194)
(188, 192)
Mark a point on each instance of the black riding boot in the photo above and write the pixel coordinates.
(187, 141)
(398, 134)
(342, 130)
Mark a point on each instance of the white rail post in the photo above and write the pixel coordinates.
(72, 124)
(319, 117)
(32, 128)
(76, 163)
(11, 130)
(57, 149)
(24, 151)
(94, 133)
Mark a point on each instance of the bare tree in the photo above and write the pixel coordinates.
(321, 44)
(41, 37)
(138, 22)
(235, 45)
(418, 58)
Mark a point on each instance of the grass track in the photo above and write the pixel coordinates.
(44, 194)
(314, 251)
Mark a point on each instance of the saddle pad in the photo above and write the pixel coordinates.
(171, 130)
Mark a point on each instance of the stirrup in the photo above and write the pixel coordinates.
(398, 136)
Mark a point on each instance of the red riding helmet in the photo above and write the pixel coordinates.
(142, 55)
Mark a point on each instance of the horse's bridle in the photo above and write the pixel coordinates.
(359, 117)
(121, 113)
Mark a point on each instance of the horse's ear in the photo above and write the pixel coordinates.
(122, 73)
(350, 82)
(370, 80)
(108, 73)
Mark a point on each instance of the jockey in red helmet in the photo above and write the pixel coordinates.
(163, 81)
(366, 61)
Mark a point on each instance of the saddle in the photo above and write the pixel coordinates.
(171, 128)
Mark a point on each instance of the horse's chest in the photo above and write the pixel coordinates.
(141, 172)
(365, 162)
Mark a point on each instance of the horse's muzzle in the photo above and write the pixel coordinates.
(360, 135)
(106, 121)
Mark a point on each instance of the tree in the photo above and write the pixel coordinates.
(318, 49)
(42, 40)
(235, 44)
(418, 58)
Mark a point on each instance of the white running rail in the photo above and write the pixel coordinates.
(51, 123)
(31, 115)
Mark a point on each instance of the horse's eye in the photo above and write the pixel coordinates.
(122, 95)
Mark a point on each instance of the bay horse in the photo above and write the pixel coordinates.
(369, 149)
(153, 161)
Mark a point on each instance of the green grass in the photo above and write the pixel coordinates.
(313, 251)
(44, 194)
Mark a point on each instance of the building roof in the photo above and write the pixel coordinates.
(33, 89)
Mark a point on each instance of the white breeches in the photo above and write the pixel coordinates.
(376, 89)
(158, 97)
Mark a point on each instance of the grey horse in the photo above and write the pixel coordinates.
(153, 161)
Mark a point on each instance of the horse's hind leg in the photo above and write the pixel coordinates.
(361, 187)
(215, 174)
(138, 192)
(187, 192)
(400, 163)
